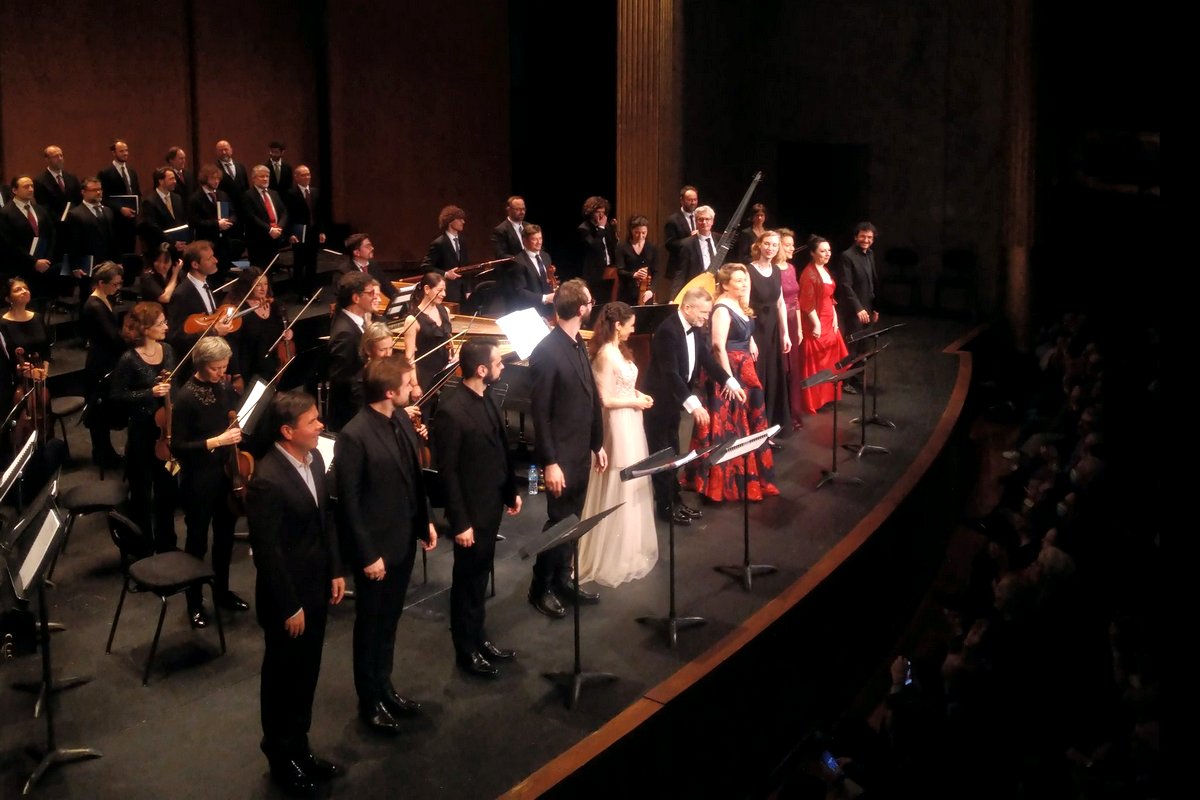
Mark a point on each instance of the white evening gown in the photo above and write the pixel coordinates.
(624, 547)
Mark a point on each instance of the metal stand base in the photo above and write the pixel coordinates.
(875, 419)
(53, 758)
(572, 683)
(837, 477)
(745, 572)
(42, 690)
(672, 625)
(861, 450)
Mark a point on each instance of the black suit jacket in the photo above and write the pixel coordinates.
(675, 233)
(440, 256)
(566, 406)
(88, 235)
(505, 241)
(284, 183)
(668, 380)
(345, 368)
(302, 213)
(382, 508)
(154, 219)
(185, 184)
(691, 261)
(236, 186)
(293, 539)
(472, 459)
(185, 301)
(522, 285)
(113, 184)
(856, 281)
(376, 272)
(202, 215)
(595, 241)
(53, 199)
(258, 223)
(16, 237)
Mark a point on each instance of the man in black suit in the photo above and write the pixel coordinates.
(303, 204)
(54, 187)
(569, 438)
(525, 282)
(361, 250)
(193, 295)
(117, 179)
(449, 251)
(185, 183)
(382, 512)
(679, 349)
(472, 459)
(281, 171)
(299, 577)
(680, 227)
(697, 252)
(599, 241)
(235, 180)
(89, 233)
(506, 237)
(356, 293)
(855, 292)
(266, 219)
(161, 210)
(207, 220)
(21, 222)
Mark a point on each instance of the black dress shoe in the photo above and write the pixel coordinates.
(476, 664)
(379, 719)
(291, 777)
(680, 519)
(198, 618)
(545, 602)
(694, 513)
(400, 706)
(318, 768)
(231, 602)
(567, 593)
(491, 651)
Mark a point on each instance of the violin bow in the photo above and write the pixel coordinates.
(295, 319)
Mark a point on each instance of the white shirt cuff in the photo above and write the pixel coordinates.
(691, 404)
(733, 384)
(298, 613)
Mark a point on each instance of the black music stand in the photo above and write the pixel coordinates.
(569, 530)
(30, 578)
(874, 419)
(832, 475)
(862, 448)
(666, 460)
(742, 448)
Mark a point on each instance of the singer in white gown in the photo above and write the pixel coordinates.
(623, 547)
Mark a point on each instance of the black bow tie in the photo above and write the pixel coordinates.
(692, 330)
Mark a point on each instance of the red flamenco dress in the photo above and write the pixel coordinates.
(731, 419)
(820, 352)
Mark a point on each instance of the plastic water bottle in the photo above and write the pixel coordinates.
(533, 478)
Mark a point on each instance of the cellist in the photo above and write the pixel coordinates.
(140, 386)
(202, 439)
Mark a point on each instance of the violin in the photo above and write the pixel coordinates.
(240, 469)
(643, 287)
(552, 277)
(162, 418)
(197, 324)
(33, 397)
(285, 349)
(414, 416)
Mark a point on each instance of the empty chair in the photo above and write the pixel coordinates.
(164, 575)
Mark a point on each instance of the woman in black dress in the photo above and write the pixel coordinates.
(770, 329)
(158, 283)
(139, 385)
(102, 331)
(261, 326)
(427, 331)
(23, 329)
(637, 264)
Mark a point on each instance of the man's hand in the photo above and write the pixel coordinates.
(375, 571)
(42, 264)
(127, 213)
(337, 591)
(555, 480)
(224, 224)
(600, 460)
(512, 511)
(294, 625)
(275, 232)
(864, 317)
(432, 543)
(700, 417)
(466, 538)
(453, 274)
(874, 316)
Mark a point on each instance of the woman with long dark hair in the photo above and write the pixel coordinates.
(823, 345)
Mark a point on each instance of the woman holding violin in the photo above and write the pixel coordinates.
(205, 439)
(100, 327)
(637, 264)
(28, 348)
(262, 323)
(427, 331)
(141, 382)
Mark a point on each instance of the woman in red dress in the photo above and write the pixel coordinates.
(822, 345)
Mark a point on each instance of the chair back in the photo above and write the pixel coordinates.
(486, 299)
(129, 539)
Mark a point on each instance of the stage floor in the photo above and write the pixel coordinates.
(194, 731)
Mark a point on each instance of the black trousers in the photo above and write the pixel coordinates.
(472, 568)
(377, 609)
(554, 566)
(289, 680)
(662, 430)
(153, 491)
(206, 492)
(304, 266)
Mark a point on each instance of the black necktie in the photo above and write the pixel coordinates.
(711, 252)
(541, 267)
(212, 302)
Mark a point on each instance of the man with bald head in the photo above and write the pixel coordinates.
(119, 178)
(304, 209)
(235, 180)
(185, 182)
(54, 187)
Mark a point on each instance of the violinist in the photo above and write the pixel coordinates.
(22, 327)
(139, 384)
(356, 293)
(202, 441)
(193, 295)
(102, 331)
(427, 331)
(158, 283)
(526, 279)
(378, 342)
(637, 264)
(261, 326)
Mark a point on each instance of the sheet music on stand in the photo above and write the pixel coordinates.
(748, 444)
(404, 295)
(35, 559)
(524, 329)
(250, 403)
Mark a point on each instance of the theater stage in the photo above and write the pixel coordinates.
(193, 732)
